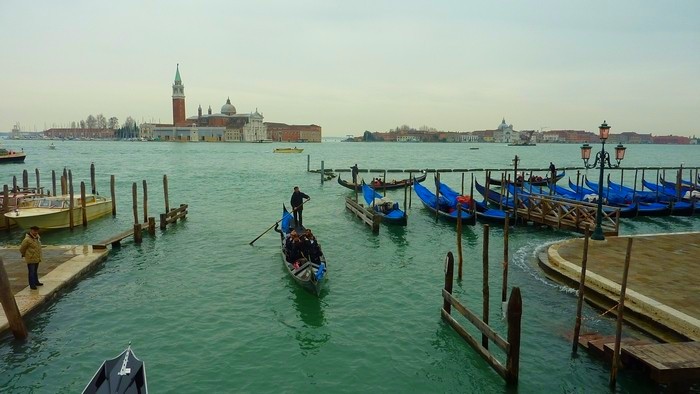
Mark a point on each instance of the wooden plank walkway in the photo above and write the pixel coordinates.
(116, 240)
(668, 362)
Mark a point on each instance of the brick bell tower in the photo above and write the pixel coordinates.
(178, 100)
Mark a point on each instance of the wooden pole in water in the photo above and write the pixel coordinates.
(5, 208)
(384, 183)
(134, 205)
(462, 191)
(581, 291)
(9, 305)
(113, 194)
(405, 196)
(459, 239)
(53, 182)
(410, 188)
(578, 181)
(634, 190)
(65, 175)
(25, 179)
(165, 192)
(83, 209)
(437, 196)
(71, 203)
(152, 225)
(620, 311)
(323, 172)
(515, 312)
(145, 202)
(308, 163)
(504, 289)
(38, 184)
(485, 285)
(449, 276)
(14, 184)
(64, 186)
(93, 186)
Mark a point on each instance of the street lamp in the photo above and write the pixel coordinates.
(603, 158)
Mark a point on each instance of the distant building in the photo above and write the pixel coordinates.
(293, 133)
(75, 133)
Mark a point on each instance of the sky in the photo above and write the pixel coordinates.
(351, 66)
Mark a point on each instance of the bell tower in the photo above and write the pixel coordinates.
(178, 100)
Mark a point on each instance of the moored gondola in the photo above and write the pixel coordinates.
(122, 374)
(390, 211)
(534, 180)
(395, 184)
(307, 266)
(443, 206)
(481, 208)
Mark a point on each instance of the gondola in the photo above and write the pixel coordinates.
(388, 185)
(483, 211)
(390, 212)
(494, 196)
(307, 273)
(444, 207)
(122, 374)
(623, 200)
(537, 181)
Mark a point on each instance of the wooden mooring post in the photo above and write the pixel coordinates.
(53, 182)
(504, 288)
(459, 240)
(113, 195)
(25, 179)
(510, 346)
(145, 201)
(71, 202)
(485, 285)
(83, 209)
(9, 305)
(5, 207)
(165, 193)
(38, 183)
(137, 226)
(581, 290)
(620, 312)
(93, 186)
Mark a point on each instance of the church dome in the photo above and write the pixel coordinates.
(228, 108)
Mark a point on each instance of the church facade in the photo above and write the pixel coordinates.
(225, 126)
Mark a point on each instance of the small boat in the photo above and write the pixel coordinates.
(495, 197)
(394, 184)
(288, 150)
(390, 212)
(52, 146)
(11, 156)
(473, 148)
(535, 180)
(122, 374)
(54, 212)
(308, 274)
(444, 207)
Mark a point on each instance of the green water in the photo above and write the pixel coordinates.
(209, 313)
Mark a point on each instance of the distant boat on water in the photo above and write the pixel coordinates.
(52, 146)
(11, 156)
(288, 150)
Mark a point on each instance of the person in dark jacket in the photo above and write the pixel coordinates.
(354, 170)
(31, 251)
(297, 202)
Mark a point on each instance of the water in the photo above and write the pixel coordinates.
(209, 313)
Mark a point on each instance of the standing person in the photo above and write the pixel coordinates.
(552, 176)
(31, 251)
(297, 201)
(354, 170)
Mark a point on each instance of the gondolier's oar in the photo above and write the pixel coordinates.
(277, 222)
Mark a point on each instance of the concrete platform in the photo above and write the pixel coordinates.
(62, 266)
(663, 287)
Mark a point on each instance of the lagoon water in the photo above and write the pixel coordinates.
(209, 313)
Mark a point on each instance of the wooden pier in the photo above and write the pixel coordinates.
(566, 214)
(367, 216)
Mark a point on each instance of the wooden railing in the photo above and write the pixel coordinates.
(565, 213)
(511, 345)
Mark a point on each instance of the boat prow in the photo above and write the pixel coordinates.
(122, 374)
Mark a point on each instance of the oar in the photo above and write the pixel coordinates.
(276, 223)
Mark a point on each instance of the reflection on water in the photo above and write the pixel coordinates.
(397, 234)
(312, 334)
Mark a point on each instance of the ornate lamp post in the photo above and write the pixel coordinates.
(603, 158)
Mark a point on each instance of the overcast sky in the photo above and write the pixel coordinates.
(351, 66)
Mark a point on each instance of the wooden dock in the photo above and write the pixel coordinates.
(666, 362)
(566, 214)
(367, 216)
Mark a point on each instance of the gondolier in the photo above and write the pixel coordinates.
(354, 170)
(297, 202)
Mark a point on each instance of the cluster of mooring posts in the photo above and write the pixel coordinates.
(513, 312)
(171, 216)
(549, 210)
(676, 364)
